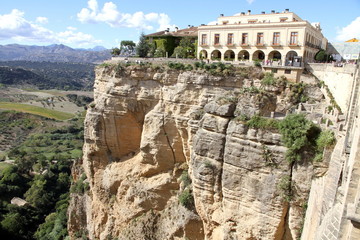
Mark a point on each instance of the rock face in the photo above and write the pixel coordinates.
(147, 127)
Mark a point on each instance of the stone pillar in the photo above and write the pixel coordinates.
(250, 57)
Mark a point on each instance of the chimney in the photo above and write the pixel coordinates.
(286, 10)
(262, 12)
(202, 24)
(249, 12)
(189, 26)
(242, 14)
(272, 11)
(176, 29)
(221, 15)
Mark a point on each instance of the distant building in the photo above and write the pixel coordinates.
(173, 37)
(283, 38)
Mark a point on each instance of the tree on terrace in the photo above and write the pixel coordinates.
(142, 47)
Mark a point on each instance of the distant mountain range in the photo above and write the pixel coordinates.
(47, 75)
(53, 53)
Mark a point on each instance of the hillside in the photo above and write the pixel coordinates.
(52, 53)
(48, 75)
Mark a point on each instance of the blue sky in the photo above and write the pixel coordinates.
(88, 23)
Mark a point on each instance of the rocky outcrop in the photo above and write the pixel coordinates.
(147, 127)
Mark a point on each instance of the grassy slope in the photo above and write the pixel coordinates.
(3, 165)
(36, 110)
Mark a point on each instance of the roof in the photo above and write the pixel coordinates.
(353, 40)
(190, 32)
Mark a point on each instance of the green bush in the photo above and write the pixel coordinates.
(268, 79)
(185, 178)
(186, 199)
(259, 122)
(325, 139)
(80, 186)
(285, 188)
(297, 133)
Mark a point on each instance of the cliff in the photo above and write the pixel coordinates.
(167, 155)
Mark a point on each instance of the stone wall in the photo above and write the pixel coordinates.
(333, 208)
(338, 79)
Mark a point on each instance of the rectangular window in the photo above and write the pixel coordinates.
(203, 39)
(230, 39)
(260, 39)
(294, 38)
(244, 39)
(274, 70)
(216, 39)
(276, 38)
(287, 71)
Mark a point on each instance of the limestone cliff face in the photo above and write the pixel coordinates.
(149, 126)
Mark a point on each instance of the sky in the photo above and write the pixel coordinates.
(90, 23)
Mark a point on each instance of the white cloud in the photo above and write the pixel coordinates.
(110, 15)
(350, 31)
(42, 20)
(250, 1)
(71, 28)
(15, 27)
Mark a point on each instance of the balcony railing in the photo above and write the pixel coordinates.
(245, 44)
(217, 45)
(204, 45)
(294, 44)
(230, 44)
(309, 44)
(260, 44)
(275, 44)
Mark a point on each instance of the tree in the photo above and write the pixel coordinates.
(142, 47)
(186, 48)
(115, 51)
(321, 56)
(127, 47)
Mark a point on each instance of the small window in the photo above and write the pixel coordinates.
(287, 71)
(274, 70)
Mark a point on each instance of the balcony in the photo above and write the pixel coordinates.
(245, 44)
(230, 44)
(204, 45)
(217, 45)
(309, 44)
(294, 44)
(276, 44)
(260, 44)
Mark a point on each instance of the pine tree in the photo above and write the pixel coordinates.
(142, 47)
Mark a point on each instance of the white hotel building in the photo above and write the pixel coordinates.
(281, 37)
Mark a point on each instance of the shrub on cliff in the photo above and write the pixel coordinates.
(186, 199)
(298, 134)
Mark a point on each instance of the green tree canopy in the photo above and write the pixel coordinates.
(115, 51)
(186, 48)
(127, 46)
(321, 56)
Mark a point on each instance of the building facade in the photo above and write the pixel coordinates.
(283, 38)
